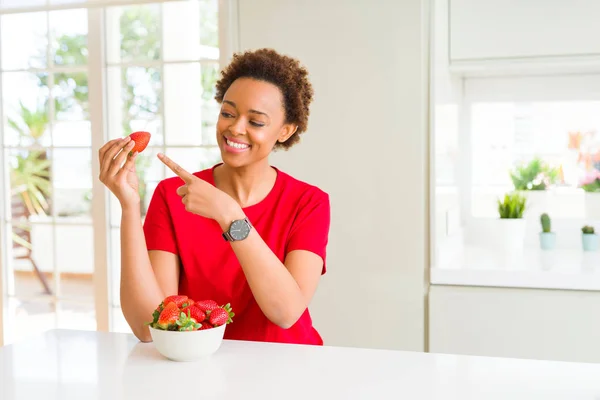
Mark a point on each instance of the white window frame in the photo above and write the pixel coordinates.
(228, 44)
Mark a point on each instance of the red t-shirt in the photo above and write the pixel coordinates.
(293, 216)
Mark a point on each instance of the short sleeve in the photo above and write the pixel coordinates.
(310, 230)
(158, 225)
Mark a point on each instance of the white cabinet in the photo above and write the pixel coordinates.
(481, 30)
(518, 323)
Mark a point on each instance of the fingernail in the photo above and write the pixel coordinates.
(131, 144)
(128, 138)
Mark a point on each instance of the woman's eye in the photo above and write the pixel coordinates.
(226, 114)
(258, 124)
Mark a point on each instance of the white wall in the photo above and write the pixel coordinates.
(367, 147)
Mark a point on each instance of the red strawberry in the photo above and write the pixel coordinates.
(207, 305)
(220, 316)
(168, 317)
(205, 325)
(141, 140)
(179, 300)
(194, 312)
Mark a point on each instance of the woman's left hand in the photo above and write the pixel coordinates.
(202, 198)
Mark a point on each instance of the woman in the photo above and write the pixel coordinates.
(242, 232)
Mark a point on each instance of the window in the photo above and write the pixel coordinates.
(537, 135)
(160, 64)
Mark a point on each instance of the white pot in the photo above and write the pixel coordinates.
(538, 202)
(592, 205)
(509, 234)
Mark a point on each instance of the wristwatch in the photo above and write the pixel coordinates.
(238, 230)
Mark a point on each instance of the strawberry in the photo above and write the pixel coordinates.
(186, 323)
(168, 317)
(194, 312)
(141, 140)
(207, 305)
(221, 315)
(179, 300)
(205, 325)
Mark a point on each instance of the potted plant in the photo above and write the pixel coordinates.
(511, 225)
(547, 237)
(591, 186)
(533, 180)
(589, 239)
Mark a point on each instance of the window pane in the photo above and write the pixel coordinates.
(21, 3)
(30, 174)
(194, 160)
(133, 33)
(30, 272)
(72, 133)
(181, 27)
(75, 259)
(68, 30)
(210, 107)
(29, 51)
(25, 98)
(209, 29)
(183, 101)
(70, 92)
(72, 182)
(135, 100)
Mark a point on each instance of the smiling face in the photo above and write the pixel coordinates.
(251, 122)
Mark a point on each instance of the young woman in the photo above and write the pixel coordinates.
(242, 232)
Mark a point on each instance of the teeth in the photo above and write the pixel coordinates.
(237, 145)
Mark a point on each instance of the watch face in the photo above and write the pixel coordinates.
(239, 230)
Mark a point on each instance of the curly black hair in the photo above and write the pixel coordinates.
(284, 72)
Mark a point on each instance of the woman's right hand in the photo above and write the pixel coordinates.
(117, 171)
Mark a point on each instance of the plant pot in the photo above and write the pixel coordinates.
(590, 241)
(538, 202)
(592, 205)
(547, 240)
(510, 234)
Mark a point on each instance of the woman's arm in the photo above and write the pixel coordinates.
(283, 291)
(146, 277)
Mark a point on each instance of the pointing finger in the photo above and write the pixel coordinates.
(173, 166)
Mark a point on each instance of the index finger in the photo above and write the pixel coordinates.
(176, 168)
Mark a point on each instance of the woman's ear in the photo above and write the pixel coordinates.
(286, 132)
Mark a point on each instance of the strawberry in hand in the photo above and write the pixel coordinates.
(141, 139)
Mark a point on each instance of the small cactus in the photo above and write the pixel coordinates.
(587, 230)
(546, 223)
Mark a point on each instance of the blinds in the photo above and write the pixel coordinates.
(21, 6)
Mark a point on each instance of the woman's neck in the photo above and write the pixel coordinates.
(247, 185)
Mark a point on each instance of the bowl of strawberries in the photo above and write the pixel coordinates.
(183, 329)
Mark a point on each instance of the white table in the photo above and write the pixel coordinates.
(79, 365)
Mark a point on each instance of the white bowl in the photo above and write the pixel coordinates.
(188, 345)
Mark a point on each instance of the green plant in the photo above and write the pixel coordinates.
(512, 206)
(587, 230)
(30, 179)
(546, 223)
(535, 175)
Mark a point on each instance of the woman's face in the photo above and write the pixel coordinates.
(251, 121)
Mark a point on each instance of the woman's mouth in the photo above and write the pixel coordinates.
(236, 146)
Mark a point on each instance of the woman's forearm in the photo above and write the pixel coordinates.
(140, 291)
(274, 288)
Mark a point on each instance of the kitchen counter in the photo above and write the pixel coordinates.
(566, 269)
(64, 364)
